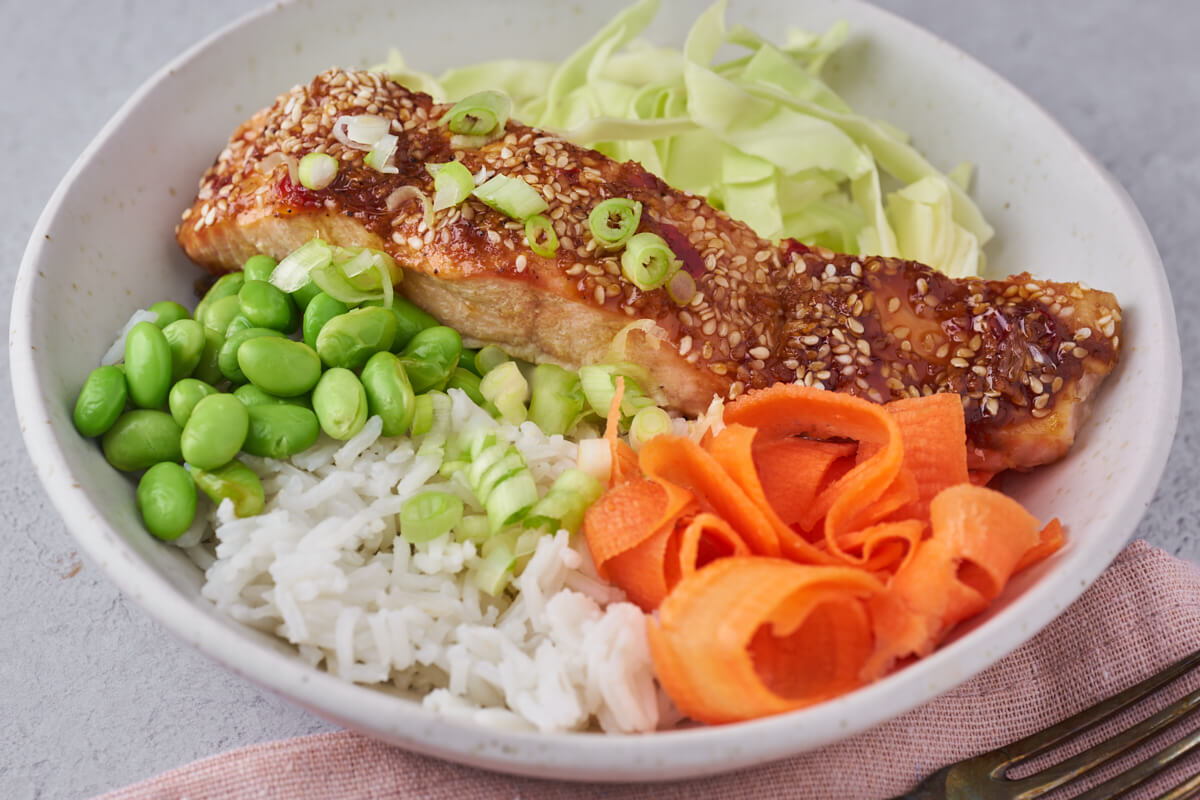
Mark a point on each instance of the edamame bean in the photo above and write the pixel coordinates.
(215, 431)
(168, 311)
(469, 382)
(409, 320)
(141, 438)
(218, 314)
(267, 307)
(224, 286)
(280, 430)
(208, 370)
(431, 356)
(258, 268)
(340, 403)
(304, 295)
(279, 366)
(166, 497)
(227, 358)
(100, 401)
(147, 365)
(251, 396)
(240, 322)
(234, 482)
(389, 393)
(184, 396)
(320, 310)
(349, 339)
(186, 340)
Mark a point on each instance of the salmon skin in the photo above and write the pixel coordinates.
(1026, 355)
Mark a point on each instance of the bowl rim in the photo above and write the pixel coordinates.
(578, 756)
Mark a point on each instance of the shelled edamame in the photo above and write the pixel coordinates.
(263, 371)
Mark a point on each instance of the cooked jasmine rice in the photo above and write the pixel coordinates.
(324, 568)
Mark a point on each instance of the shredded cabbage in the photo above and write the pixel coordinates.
(761, 135)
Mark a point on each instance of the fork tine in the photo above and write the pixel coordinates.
(1071, 768)
(1188, 790)
(1146, 770)
(1043, 740)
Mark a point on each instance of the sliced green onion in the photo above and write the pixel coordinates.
(472, 528)
(360, 131)
(508, 390)
(647, 261)
(539, 233)
(512, 197)
(564, 505)
(599, 384)
(681, 287)
(615, 221)
(293, 272)
(452, 183)
(428, 515)
(336, 285)
(595, 458)
(511, 500)
(381, 154)
(494, 572)
(422, 415)
(647, 423)
(556, 399)
(459, 141)
(488, 358)
(434, 443)
(317, 171)
(479, 114)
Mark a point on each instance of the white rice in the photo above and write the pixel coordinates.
(323, 568)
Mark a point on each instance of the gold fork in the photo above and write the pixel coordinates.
(984, 777)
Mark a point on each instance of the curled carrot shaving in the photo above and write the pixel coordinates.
(776, 636)
(624, 460)
(811, 545)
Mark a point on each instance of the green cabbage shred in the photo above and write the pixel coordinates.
(760, 135)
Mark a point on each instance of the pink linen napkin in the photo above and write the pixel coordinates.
(1142, 614)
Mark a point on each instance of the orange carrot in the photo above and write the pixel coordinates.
(624, 460)
(934, 434)
(678, 459)
(979, 537)
(750, 636)
(1049, 542)
(629, 514)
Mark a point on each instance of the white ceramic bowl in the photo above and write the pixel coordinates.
(104, 246)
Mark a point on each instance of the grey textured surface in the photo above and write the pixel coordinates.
(94, 695)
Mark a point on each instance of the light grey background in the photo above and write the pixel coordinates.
(94, 695)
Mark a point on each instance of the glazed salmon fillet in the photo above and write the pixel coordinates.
(1026, 355)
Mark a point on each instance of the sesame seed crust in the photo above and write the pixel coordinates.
(762, 313)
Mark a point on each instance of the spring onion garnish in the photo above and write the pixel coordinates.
(381, 154)
(268, 165)
(511, 196)
(360, 131)
(498, 476)
(556, 399)
(681, 287)
(488, 358)
(647, 423)
(648, 261)
(452, 183)
(422, 415)
(508, 390)
(428, 515)
(293, 272)
(495, 571)
(564, 505)
(402, 194)
(599, 384)
(350, 274)
(539, 232)
(595, 458)
(472, 528)
(479, 114)
(615, 221)
(317, 171)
